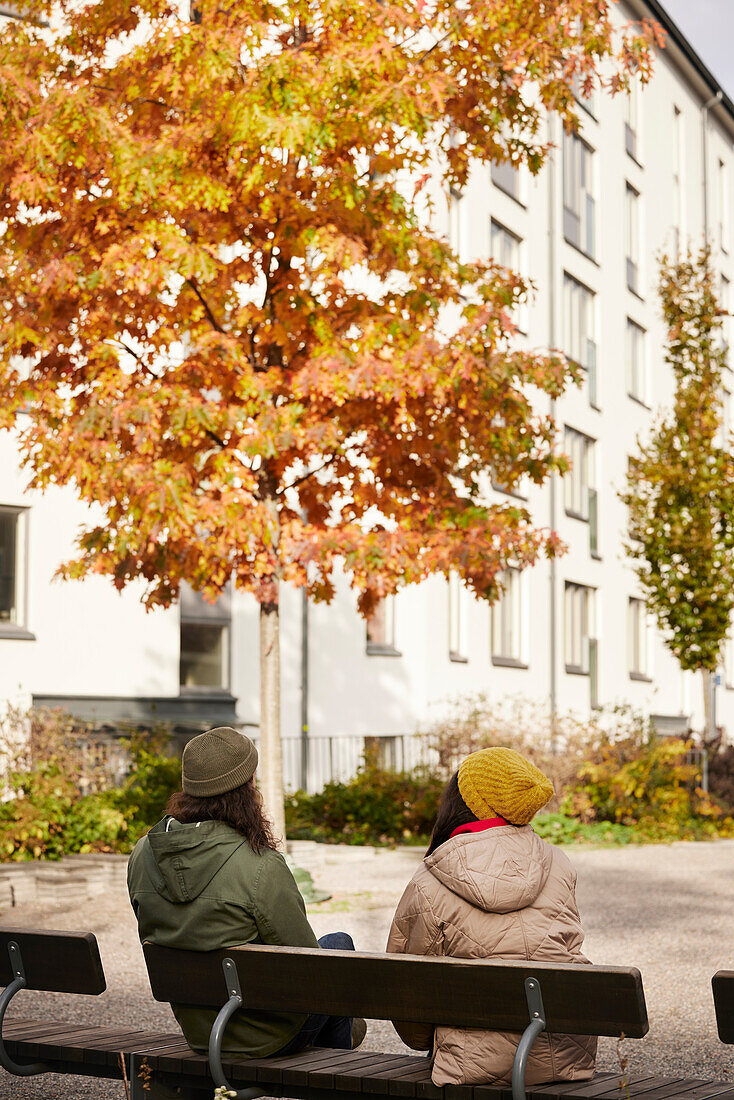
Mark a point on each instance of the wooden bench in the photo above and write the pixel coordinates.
(521, 997)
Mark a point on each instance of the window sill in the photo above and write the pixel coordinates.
(17, 633)
(508, 662)
(639, 401)
(458, 658)
(641, 677)
(634, 160)
(576, 670)
(576, 515)
(377, 649)
(581, 252)
(595, 555)
(520, 203)
(635, 294)
(508, 492)
(204, 689)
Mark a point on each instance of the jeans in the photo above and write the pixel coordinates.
(325, 1031)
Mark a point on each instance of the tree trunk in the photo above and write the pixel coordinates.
(271, 748)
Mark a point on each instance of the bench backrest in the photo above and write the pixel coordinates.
(56, 962)
(578, 1000)
(723, 987)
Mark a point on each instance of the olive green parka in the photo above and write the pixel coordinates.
(201, 887)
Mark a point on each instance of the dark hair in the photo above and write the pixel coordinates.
(452, 812)
(241, 808)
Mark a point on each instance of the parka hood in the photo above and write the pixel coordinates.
(499, 870)
(181, 860)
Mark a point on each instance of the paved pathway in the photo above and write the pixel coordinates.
(667, 909)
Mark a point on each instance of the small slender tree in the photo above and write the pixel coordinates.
(680, 486)
(225, 315)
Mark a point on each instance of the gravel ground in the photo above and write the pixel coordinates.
(668, 910)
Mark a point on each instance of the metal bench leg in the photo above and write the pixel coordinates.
(18, 982)
(529, 1035)
(234, 1002)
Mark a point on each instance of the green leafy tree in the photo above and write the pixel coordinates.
(680, 486)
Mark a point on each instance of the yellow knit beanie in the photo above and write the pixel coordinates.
(499, 782)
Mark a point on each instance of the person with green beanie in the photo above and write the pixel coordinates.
(209, 876)
(490, 888)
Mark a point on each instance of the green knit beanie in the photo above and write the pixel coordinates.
(217, 761)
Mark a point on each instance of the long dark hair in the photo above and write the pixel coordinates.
(241, 808)
(452, 812)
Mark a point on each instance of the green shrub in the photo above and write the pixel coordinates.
(154, 777)
(48, 818)
(377, 806)
(655, 791)
(59, 782)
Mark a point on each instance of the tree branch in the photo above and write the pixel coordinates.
(307, 475)
(212, 319)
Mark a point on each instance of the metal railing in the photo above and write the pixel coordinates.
(339, 757)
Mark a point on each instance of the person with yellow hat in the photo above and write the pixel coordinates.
(490, 887)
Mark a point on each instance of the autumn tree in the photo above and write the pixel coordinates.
(680, 488)
(225, 312)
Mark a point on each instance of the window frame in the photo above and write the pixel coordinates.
(19, 629)
(513, 628)
(194, 611)
(638, 640)
(586, 596)
(387, 648)
(573, 439)
(640, 369)
(457, 619)
(579, 340)
(579, 195)
(633, 235)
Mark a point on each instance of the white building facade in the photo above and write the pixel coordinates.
(647, 174)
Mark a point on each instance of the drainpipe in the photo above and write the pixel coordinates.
(711, 686)
(704, 153)
(304, 689)
(553, 480)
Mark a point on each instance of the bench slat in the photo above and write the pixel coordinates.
(578, 999)
(55, 962)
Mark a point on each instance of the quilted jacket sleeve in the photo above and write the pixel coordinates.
(414, 931)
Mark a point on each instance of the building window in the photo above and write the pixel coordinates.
(505, 249)
(723, 206)
(588, 102)
(507, 178)
(632, 120)
(729, 661)
(579, 623)
(504, 246)
(578, 334)
(205, 640)
(638, 640)
(636, 374)
(507, 621)
(455, 235)
(580, 480)
(579, 214)
(13, 545)
(380, 627)
(724, 306)
(678, 203)
(632, 237)
(457, 618)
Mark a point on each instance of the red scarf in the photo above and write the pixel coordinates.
(480, 826)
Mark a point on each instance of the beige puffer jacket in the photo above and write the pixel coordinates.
(502, 893)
